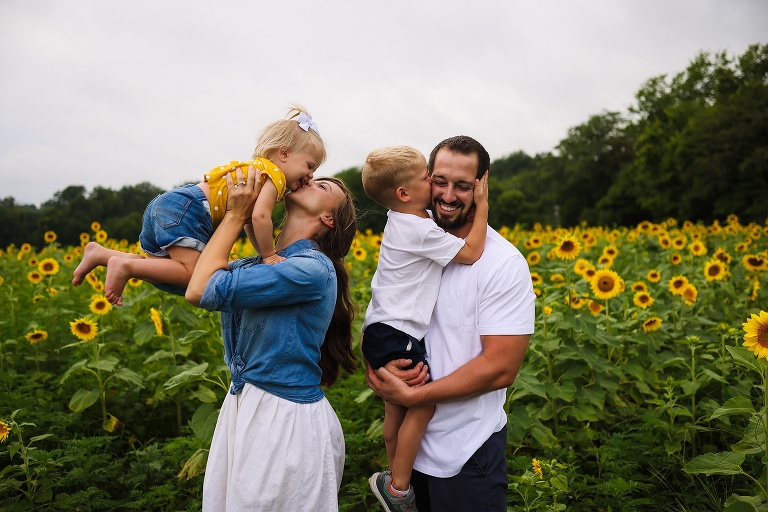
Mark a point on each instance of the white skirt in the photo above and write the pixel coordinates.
(272, 455)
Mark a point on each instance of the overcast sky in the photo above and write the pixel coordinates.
(103, 93)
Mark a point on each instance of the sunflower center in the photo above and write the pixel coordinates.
(714, 270)
(84, 328)
(605, 284)
(567, 246)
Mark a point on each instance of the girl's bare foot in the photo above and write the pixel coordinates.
(93, 256)
(117, 277)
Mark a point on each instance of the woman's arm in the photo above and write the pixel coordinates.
(215, 256)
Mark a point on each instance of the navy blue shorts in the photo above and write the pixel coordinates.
(383, 343)
(480, 485)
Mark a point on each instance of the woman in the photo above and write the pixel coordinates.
(278, 444)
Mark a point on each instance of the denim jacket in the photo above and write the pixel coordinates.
(274, 319)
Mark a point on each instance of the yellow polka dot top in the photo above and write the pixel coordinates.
(218, 185)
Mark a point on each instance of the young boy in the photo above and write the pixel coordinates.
(404, 288)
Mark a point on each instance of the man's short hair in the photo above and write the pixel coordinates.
(463, 145)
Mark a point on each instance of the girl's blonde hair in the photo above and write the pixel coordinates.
(287, 133)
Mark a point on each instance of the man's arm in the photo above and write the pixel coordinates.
(495, 368)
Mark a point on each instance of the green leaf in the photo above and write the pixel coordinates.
(158, 355)
(192, 336)
(39, 438)
(744, 357)
(83, 398)
(735, 405)
(129, 376)
(144, 332)
(190, 375)
(106, 364)
(72, 369)
(203, 422)
(723, 463)
(205, 395)
(363, 395)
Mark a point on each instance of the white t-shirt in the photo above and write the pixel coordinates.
(412, 255)
(494, 296)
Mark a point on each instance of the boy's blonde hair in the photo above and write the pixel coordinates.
(387, 168)
(288, 134)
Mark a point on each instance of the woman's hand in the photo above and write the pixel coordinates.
(242, 195)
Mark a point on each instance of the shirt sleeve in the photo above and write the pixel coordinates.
(300, 278)
(436, 244)
(506, 305)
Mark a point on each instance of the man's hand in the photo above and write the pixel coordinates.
(396, 385)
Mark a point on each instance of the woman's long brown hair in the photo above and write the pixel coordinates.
(335, 243)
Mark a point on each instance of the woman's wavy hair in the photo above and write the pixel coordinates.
(335, 243)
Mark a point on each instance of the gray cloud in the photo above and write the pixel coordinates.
(103, 94)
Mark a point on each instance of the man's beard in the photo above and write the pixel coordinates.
(450, 223)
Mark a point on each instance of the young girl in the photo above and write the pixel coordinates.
(178, 223)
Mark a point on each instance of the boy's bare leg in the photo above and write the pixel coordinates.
(408, 442)
(175, 270)
(393, 418)
(95, 255)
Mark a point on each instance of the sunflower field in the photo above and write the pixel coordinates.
(644, 387)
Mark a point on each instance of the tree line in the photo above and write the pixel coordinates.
(692, 146)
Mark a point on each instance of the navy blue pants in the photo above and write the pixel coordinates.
(480, 486)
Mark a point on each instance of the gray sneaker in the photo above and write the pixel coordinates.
(391, 502)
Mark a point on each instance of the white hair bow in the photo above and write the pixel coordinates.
(306, 122)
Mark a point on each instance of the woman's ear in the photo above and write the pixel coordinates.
(327, 219)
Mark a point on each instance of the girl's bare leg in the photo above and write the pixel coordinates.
(95, 255)
(176, 270)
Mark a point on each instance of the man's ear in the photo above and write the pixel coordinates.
(327, 219)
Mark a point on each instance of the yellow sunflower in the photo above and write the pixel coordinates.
(49, 266)
(643, 299)
(639, 286)
(533, 257)
(533, 242)
(698, 248)
(715, 270)
(590, 273)
(101, 236)
(581, 266)
(49, 237)
(5, 429)
(134, 281)
(100, 305)
(652, 324)
(568, 247)
(679, 242)
(547, 310)
(536, 279)
(35, 277)
(690, 293)
(84, 329)
(36, 336)
(157, 319)
(676, 259)
(537, 469)
(68, 258)
(754, 262)
(664, 241)
(606, 284)
(654, 275)
(595, 307)
(85, 238)
(25, 248)
(756, 334)
(95, 226)
(557, 279)
(677, 284)
(32, 262)
(360, 254)
(611, 250)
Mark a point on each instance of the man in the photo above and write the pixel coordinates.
(478, 335)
